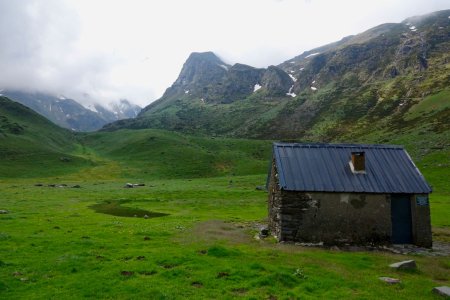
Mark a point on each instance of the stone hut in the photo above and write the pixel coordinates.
(347, 194)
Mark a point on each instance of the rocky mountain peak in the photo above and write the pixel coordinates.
(201, 68)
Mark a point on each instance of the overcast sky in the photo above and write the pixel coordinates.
(94, 50)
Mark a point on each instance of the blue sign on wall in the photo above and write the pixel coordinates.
(422, 200)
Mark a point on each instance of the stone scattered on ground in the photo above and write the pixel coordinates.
(264, 232)
(390, 280)
(320, 244)
(442, 290)
(146, 217)
(404, 265)
(38, 184)
(260, 188)
(146, 238)
(132, 185)
(76, 186)
(62, 185)
(3, 212)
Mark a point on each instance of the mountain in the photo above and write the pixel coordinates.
(204, 76)
(207, 94)
(72, 115)
(374, 86)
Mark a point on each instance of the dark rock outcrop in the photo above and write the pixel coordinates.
(276, 81)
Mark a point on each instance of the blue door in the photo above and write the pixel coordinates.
(401, 219)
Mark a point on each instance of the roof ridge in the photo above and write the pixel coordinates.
(340, 145)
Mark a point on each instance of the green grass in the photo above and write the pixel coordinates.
(430, 105)
(54, 245)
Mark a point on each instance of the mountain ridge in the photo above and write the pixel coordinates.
(331, 93)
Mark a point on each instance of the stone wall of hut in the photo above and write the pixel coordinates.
(338, 218)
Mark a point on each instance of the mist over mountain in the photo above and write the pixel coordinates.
(70, 114)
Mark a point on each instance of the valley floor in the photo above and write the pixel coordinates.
(54, 245)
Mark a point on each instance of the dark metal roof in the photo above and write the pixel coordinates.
(325, 168)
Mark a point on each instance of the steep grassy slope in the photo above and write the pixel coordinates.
(31, 146)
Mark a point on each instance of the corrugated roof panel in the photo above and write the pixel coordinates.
(325, 168)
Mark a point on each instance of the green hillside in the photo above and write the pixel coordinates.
(31, 146)
(157, 154)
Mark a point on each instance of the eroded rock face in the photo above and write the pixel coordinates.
(276, 81)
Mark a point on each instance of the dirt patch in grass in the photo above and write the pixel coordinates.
(217, 230)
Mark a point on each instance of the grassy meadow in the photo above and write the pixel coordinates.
(54, 245)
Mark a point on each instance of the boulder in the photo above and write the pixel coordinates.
(404, 265)
(3, 212)
(129, 185)
(390, 280)
(442, 290)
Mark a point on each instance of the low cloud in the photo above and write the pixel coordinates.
(101, 51)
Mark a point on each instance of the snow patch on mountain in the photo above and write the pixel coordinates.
(312, 54)
(290, 92)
